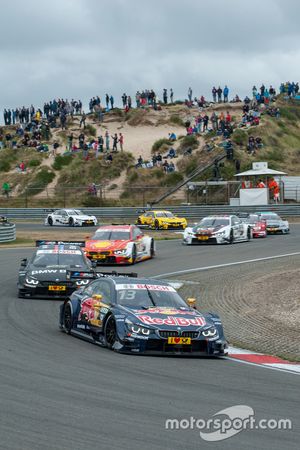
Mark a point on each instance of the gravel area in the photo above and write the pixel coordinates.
(259, 303)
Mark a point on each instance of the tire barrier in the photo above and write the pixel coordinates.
(7, 232)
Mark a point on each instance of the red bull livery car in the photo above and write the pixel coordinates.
(119, 244)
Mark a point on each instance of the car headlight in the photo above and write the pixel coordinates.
(210, 332)
(31, 280)
(137, 329)
(81, 282)
(120, 252)
(220, 233)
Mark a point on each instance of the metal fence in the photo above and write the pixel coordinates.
(7, 232)
(130, 214)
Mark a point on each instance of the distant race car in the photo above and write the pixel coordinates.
(161, 220)
(257, 224)
(119, 244)
(219, 230)
(56, 269)
(69, 217)
(132, 315)
(274, 223)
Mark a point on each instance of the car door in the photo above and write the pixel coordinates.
(59, 216)
(238, 227)
(138, 238)
(93, 310)
(149, 217)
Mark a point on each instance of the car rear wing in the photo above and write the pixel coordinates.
(80, 275)
(40, 242)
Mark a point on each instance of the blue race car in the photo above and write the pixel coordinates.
(132, 315)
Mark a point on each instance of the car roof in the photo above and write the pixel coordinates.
(219, 216)
(131, 280)
(60, 247)
(158, 211)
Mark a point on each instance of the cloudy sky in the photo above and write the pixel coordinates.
(81, 48)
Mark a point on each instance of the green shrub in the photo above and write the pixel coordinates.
(190, 141)
(89, 129)
(4, 166)
(240, 137)
(176, 120)
(133, 177)
(173, 178)
(276, 154)
(34, 163)
(61, 161)
(158, 144)
(40, 181)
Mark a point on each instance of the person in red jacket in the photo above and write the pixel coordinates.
(261, 184)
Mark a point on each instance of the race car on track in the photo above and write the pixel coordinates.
(161, 220)
(69, 217)
(257, 224)
(219, 230)
(134, 315)
(119, 244)
(56, 269)
(274, 223)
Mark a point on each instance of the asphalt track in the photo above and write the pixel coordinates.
(58, 392)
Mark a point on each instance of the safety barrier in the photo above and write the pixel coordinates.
(130, 214)
(7, 232)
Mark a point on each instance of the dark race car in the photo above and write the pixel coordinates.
(133, 315)
(56, 269)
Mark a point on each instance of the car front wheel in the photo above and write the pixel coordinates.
(71, 222)
(50, 221)
(68, 318)
(110, 332)
(231, 238)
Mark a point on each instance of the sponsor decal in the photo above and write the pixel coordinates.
(169, 311)
(58, 251)
(171, 320)
(41, 271)
(151, 287)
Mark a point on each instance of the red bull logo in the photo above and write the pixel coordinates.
(173, 321)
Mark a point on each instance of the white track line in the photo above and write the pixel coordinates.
(225, 265)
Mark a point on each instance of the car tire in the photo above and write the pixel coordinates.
(110, 332)
(133, 255)
(20, 294)
(231, 237)
(71, 222)
(156, 225)
(50, 221)
(248, 234)
(152, 249)
(67, 319)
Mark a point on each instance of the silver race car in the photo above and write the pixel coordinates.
(69, 217)
(274, 223)
(218, 230)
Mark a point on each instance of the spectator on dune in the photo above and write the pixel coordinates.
(82, 120)
(107, 141)
(190, 94)
(6, 189)
(214, 94)
(219, 92)
(115, 142)
(140, 162)
(225, 94)
(172, 137)
(121, 141)
(171, 95)
(172, 153)
(111, 99)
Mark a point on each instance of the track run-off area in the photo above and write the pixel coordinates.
(62, 393)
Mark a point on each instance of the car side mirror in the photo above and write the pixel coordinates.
(24, 262)
(191, 302)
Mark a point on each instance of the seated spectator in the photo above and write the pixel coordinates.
(172, 137)
(171, 167)
(251, 145)
(109, 158)
(166, 166)
(189, 130)
(159, 159)
(188, 151)
(140, 161)
(21, 167)
(258, 142)
(172, 153)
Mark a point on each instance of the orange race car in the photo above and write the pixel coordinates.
(119, 244)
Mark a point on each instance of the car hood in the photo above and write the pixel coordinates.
(168, 318)
(106, 245)
(209, 230)
(171, 219)
(48, 273)
(276, 223)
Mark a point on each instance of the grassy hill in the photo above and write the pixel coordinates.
(146, 131)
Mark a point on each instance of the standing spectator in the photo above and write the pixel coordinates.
(190, 94)
(100, 143)
(54, 148)
(6, 189)
(214, 94)
(237, 166)
(107, 140)
(165, 96)
(171, 95)
(111, 102)
(219, 92)
(121, 141)
(225, 93)
(82, 120)
(81, 139)
(115, 142)
(107, 101)
(129, 102)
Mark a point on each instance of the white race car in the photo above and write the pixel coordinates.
(217, 229)
(70, 217)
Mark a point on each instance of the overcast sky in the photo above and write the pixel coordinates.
(83, 48)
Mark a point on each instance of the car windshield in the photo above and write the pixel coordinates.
(212, 222)
(252, 218)
(69, 258)
(164, 214)
(111, 235)
(149, 296)
(270, 217)
(75, 212)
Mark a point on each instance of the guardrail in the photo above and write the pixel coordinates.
(127, 213)
(7, 232)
